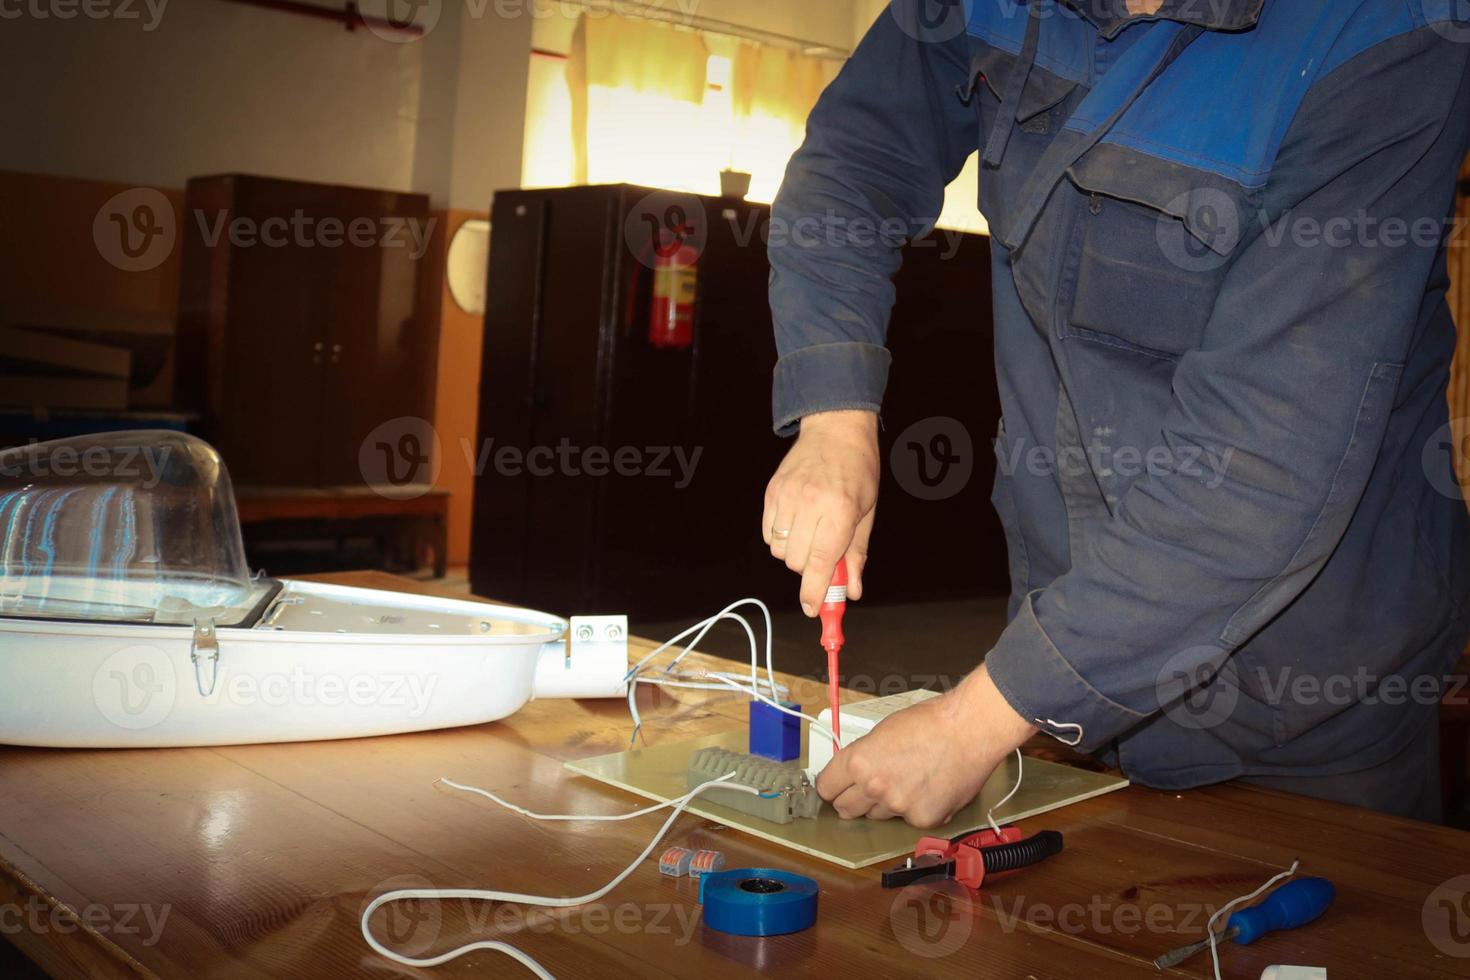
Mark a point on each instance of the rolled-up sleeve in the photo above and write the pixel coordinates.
(885, 139)
(1297, 376)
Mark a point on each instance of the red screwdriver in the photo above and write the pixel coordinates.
(833, 606)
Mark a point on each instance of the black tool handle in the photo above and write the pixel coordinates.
(1019, 854)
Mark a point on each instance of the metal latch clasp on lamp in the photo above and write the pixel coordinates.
(204, 652)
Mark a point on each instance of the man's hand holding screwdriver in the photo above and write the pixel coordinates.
(820, 504)
(923, 763)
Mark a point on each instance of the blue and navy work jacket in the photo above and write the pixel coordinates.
(1222, 341)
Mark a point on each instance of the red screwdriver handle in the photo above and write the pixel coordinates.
(833, 606)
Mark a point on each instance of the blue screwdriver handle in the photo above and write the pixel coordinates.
(1293, 904)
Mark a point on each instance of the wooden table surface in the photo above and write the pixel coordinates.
(255, 861)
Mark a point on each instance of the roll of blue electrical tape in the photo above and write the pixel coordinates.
(758, 901)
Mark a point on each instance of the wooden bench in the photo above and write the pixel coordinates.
(424, 509)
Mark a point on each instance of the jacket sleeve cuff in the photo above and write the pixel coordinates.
(828, 378)
(1043, 687)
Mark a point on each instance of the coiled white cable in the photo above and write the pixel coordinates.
(487, 895)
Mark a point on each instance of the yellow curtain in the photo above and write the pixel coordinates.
(772, 93)
(1459, 300)
(636, 86)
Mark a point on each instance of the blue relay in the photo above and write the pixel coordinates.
(774, 734)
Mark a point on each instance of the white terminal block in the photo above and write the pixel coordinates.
(857, 720)
(1294, 973)
(592, 662)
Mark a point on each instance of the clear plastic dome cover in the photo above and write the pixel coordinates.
(136, 527)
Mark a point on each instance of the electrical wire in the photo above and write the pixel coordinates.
(1210, 925)
(704, 627)
(565, 816)
(704, 680)
(726, 680)
(990, 814)
(487, 895)
(701, 628)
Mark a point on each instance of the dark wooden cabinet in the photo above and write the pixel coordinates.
(568, 363)
(302, 325)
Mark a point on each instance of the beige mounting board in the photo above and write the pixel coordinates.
(659, 773)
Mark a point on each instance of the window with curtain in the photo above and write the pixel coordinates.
(648, 103)
(639, 101)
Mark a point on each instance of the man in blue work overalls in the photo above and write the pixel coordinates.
(1218, 232)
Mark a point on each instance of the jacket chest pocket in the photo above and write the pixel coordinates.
(1145, 278)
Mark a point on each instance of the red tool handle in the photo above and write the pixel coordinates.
(833, 606)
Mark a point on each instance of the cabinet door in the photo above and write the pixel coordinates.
(272, 351)
(573, 350)
(381, 346)
(500, 531)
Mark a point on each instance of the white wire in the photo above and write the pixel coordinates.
(990, 814)
(565, 816)
(702, 627)
(1210, 925)
(766, 613)
(487, 895)
(696, 681)
(726, 680)
(816, 726)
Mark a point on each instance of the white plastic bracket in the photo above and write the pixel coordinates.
(592, 662)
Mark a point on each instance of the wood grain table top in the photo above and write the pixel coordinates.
(256, 861)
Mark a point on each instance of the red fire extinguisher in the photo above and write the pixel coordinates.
(675, 285)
